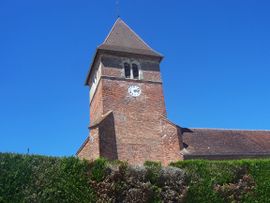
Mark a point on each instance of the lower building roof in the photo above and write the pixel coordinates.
(207, 143)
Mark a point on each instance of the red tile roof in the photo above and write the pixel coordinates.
(218, 142)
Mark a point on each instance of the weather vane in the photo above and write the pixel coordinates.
(117, 4)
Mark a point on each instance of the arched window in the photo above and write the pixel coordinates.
(127, 70)
(131, 69)
(135, 71)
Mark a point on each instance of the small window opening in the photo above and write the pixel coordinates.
(127, 70)
(135, 71)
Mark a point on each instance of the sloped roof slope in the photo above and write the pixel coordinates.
(218, 142)
(123, 38)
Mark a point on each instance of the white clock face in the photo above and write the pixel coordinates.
(134, 90)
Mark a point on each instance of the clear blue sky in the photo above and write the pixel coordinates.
(216, 69)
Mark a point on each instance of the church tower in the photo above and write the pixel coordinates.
(127, 110)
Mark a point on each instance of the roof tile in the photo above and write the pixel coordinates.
(123, 38)
(209, 142)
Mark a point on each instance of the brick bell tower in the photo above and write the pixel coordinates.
(127, 110)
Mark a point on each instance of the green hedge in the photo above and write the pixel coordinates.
(32, 178)
(204, 175)
(25, 178)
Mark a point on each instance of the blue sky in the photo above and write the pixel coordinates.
(216, 68)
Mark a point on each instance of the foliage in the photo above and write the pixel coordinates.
(153, 169)
(98, 169)
(32, 178)
(235, 192)
(227, 181)
(25, 178)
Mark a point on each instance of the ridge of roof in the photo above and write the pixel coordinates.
(224, 154)
(231, 129)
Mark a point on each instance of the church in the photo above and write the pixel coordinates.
(128, 119)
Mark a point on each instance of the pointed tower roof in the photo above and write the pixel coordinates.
(122, 39)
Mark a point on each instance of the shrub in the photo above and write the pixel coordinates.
(25, 178)
(227, 181)
(98, 169)
(173, 184)
(32, 178)
(153, 169)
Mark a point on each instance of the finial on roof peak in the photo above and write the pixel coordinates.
(117, 7)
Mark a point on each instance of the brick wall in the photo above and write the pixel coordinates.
(84, 152)
(137, 126)
(91, 148)
(96, 106)
(137, 129)
(107, 138)
(171, 141)
(113, 66)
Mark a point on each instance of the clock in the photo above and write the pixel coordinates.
(134, 90)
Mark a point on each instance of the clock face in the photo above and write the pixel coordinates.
(134, 90)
